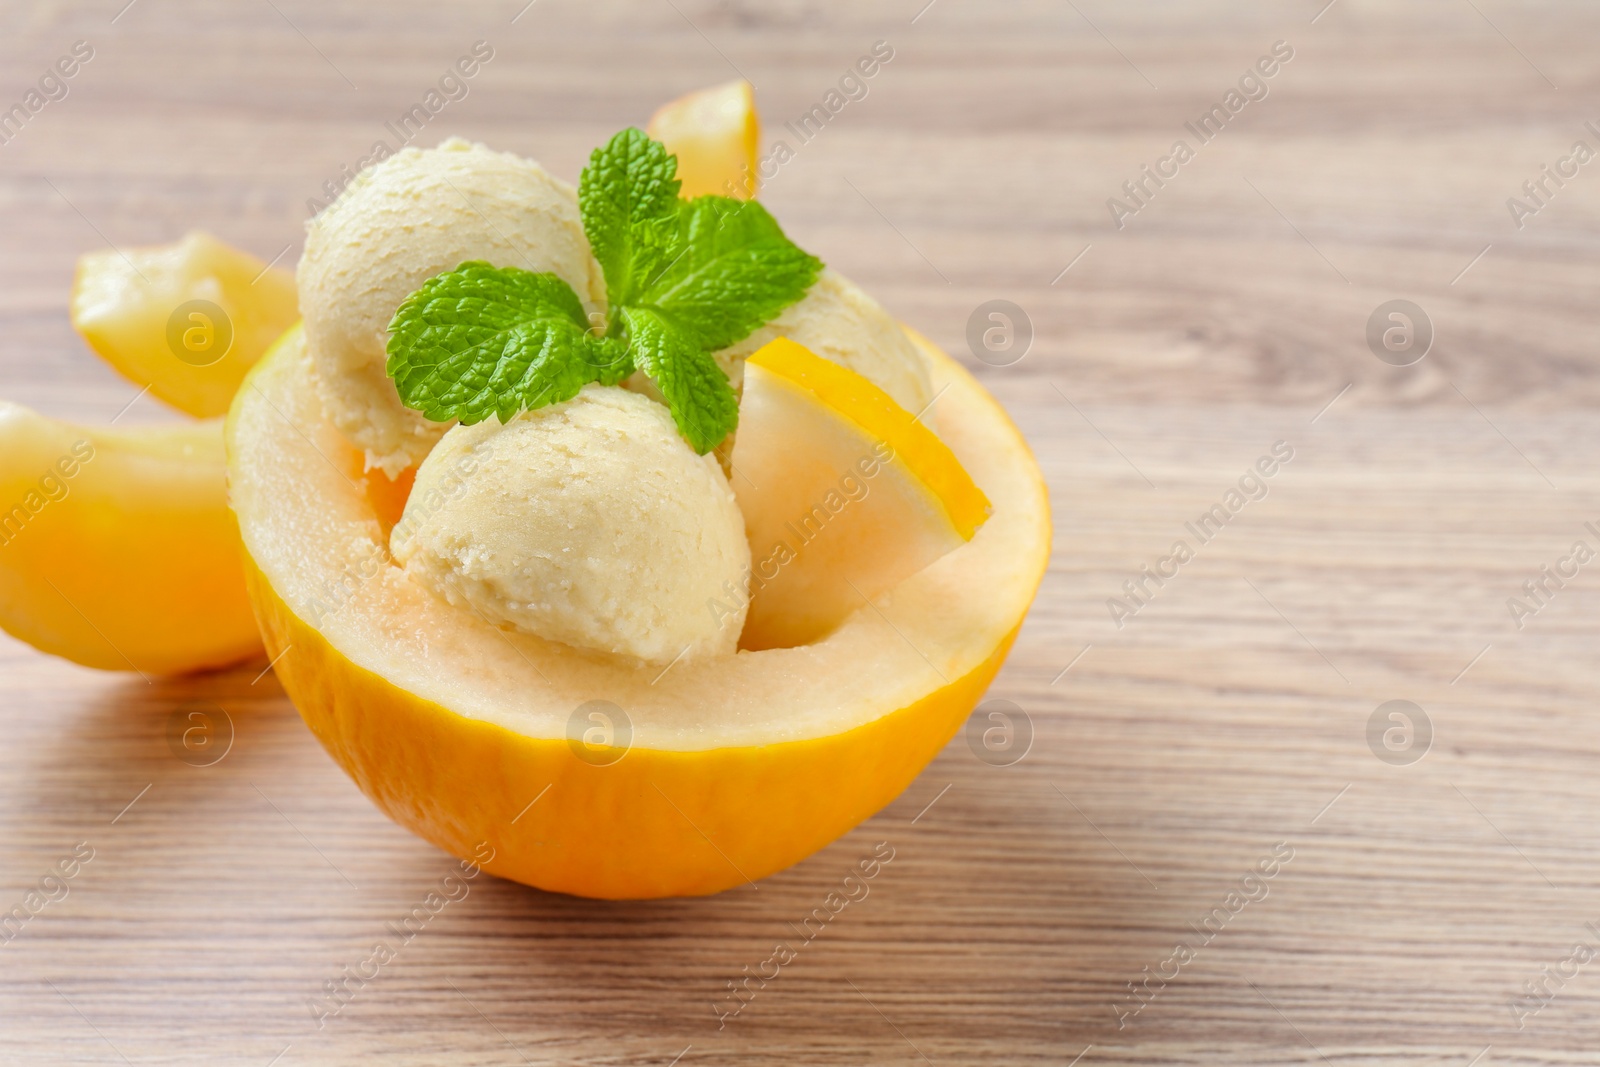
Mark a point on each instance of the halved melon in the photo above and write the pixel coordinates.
(714, 133)
(117, 548)
(844, 492)
(731, 768)
(187, 319)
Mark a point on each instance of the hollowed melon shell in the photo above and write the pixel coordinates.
(738, 767)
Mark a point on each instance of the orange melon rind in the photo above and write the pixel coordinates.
(695, 823)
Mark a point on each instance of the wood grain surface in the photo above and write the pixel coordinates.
(1226, 723)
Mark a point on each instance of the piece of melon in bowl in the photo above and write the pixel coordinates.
(845, 494)
(714, 133)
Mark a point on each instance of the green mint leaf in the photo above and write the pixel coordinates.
(697, 391)
(731, 271)
(683, 278)
(628, 199)
(480, 341)
(610, 358)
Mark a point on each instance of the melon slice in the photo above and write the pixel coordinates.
(844, 492)
(186, 319)
(716, 772)
(714, 133)
(117, 548)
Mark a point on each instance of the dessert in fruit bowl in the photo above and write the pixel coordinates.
(605, 531)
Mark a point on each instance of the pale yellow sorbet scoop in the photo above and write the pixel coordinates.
(589, 522)
(414, 215)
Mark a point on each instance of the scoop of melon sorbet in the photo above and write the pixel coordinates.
(402, 221)
(589, 522)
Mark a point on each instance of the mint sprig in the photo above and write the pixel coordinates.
(683, 279)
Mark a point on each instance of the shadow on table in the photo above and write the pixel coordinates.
(998, 914)
(999, 908)
(195, 728)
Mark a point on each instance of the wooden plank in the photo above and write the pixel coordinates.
(1226, 719)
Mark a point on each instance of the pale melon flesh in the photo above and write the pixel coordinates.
(834, 516)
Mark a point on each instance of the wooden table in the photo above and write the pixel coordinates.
(1412, 901)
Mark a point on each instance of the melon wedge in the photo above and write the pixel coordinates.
(117, 548)
(718, 772)
(845, 494)
(714, 133)
(187, 319)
